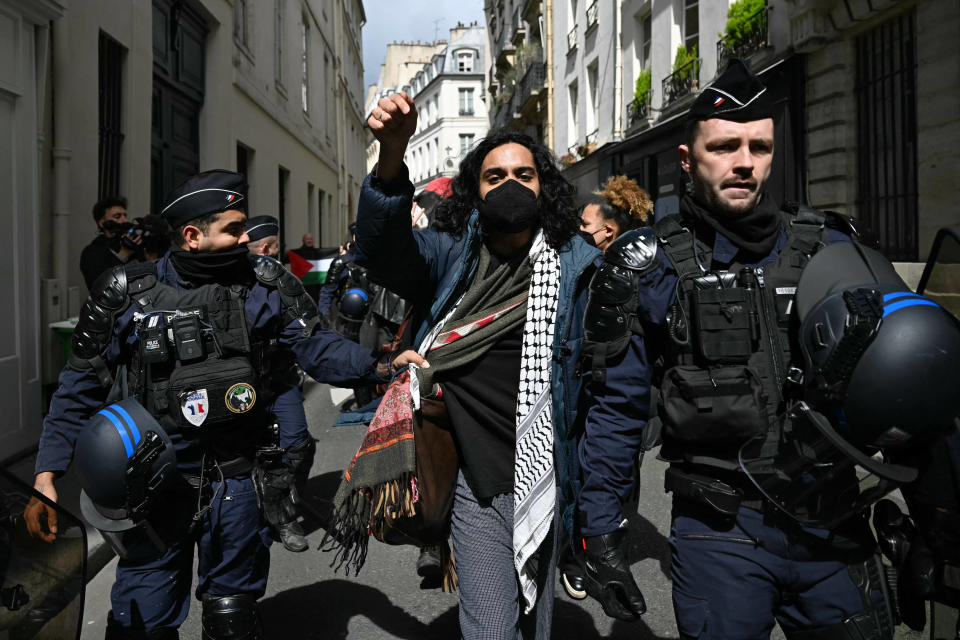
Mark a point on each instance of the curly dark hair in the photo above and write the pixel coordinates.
(559, 218)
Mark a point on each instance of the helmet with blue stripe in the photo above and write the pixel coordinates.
(884, 360)
(125, 461)
(879, 373)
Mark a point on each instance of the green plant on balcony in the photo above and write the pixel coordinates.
(681, 62)
(744, 18)
(525, 56)
(641, 92)
(586, 149)
(568, 159)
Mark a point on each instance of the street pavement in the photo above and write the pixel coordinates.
(307, 599)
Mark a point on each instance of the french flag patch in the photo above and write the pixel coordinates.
(230, 197)
(719, 100)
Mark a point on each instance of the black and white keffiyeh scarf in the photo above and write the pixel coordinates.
(534, 485)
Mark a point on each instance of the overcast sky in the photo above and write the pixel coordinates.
(409, 20)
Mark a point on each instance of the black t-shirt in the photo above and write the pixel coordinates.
(481, 399)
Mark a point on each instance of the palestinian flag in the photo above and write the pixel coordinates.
(310, 271)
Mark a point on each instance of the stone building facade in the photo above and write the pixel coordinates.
(129, 97)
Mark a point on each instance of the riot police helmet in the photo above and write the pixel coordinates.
(127, 466)
(880, 365)
(882, 359)
(354, 304)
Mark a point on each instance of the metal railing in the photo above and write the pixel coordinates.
(639, 110)
(753, 41)
(593, 11)
(681, 82)
(572, 39)
(533, 80)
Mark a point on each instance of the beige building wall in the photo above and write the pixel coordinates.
(252, 96)
(827, 32)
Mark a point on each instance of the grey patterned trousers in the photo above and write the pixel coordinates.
(482, 539)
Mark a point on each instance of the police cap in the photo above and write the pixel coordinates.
(736, 95)
(203, 194)
(260, 227)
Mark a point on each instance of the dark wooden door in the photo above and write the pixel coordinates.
(179, 36)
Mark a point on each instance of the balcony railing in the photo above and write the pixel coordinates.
(639, 110)
(572, 39)
(593, 12)
(681, 82)
(533, 80)
(753, 41)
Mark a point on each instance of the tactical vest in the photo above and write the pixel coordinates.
(196, 363)
(729, 355)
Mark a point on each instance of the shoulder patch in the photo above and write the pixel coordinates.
(635, 250)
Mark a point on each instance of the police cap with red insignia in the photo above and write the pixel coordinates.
(203, 194)
(736, 95)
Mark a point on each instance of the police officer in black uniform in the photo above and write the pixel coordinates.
(693, 322)
(195, 338)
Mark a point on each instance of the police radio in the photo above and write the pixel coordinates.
(187, 337)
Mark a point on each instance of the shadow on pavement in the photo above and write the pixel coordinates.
(573, 622)
(324, 610)
(337, 602)
(316, 500)
(645, 541)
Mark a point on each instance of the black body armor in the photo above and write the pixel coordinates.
(196, 365)
(729, 356)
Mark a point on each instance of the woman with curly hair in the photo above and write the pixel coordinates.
(620, 206)
(501, 276)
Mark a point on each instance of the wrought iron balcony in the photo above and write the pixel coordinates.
(681, 82)
(572, 39)
(533, 80)
(639, 110)
(753, 41)
(593, 12)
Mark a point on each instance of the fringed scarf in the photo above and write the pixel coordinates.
(380, 482)
(381, 479)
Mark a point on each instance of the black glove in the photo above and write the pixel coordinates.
(277, 494)
(608, 579)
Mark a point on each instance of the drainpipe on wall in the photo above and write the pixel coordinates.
(618, 73)
(61, 151)
(549, 62)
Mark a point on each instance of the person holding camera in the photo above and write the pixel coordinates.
(112, 246)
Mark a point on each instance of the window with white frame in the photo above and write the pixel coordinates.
(593, 95)
(304, 65)
(241, 23)
(466, 143)
(572, 113)
(641, 42)
(691, 23)
(465, 61)
(278, 40)
(466, 102)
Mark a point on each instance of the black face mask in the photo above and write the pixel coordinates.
(588, 237)
(113, 226)
(510, 208)
(226, 267)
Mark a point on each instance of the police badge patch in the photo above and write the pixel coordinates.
(195, 406)
(240, 398)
